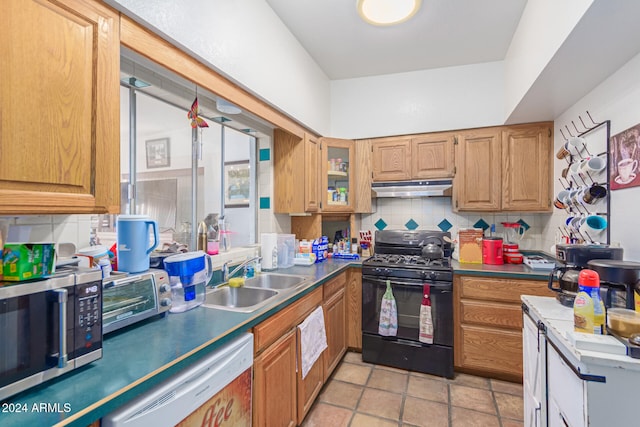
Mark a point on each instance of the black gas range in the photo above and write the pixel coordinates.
(398, 258)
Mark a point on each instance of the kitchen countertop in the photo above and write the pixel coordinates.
(606, 350)
(139, 357)
(514, 271)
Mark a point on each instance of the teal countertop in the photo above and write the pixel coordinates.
(139, 357)
(513, 271)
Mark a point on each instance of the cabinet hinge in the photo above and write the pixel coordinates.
(455, 140)
(456, 203)
(549, 205)
(454, 170)
(549, 132)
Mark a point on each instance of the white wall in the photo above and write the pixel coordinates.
(616, 99)
(244, 40)
(543, 27)
(420, 101)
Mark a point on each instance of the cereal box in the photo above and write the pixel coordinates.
(26, 261)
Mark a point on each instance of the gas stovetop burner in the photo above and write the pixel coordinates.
(406, 260)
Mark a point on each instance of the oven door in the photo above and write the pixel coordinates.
(408, 296)
(31, 333)
(128, 300)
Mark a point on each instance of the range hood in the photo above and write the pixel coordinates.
(410, 189)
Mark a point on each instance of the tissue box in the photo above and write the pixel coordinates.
(26, 261)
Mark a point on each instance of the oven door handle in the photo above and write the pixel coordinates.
(62, 299)
(440, 285)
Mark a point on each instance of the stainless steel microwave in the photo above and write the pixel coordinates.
(130, 299)
(48, 327)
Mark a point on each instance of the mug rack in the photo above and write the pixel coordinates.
(587, 194)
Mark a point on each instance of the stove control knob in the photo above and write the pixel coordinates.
(431, 275)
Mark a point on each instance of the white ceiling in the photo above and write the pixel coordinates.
(443, 33)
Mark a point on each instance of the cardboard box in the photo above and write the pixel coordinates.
(470, 241)
(26, 261)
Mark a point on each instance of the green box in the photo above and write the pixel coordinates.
(26, 261)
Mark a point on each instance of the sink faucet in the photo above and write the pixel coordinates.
(225, 268)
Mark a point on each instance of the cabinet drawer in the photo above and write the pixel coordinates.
(491, 350)
(498, 289)
(334, 285)
(274, 327)
(491, 314)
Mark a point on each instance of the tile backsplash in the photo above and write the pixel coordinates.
(51, 228)
(435, 213)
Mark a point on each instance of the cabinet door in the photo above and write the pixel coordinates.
(526, 171)
(311, 174)
(354, 309)
(391, 159)
(534, 374)
(566, 393)
(432, 156)
(477, 183)
(336, 327)
(491, 350)
(338, 167)
(59, 108)
(308, 387)
(274, 387)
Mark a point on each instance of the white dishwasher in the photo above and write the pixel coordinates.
(214, 390)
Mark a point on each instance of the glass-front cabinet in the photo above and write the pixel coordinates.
(338, 192)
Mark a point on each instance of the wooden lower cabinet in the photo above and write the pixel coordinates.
(335, 316)
(488, 324)
(274, 384)
(308, 387)
(354, 309)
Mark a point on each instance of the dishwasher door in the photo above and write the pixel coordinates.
(215, 389)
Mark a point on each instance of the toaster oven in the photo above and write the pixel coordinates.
(130, 299)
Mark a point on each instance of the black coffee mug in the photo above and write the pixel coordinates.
(593, 193)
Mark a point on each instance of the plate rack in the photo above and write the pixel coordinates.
(575, 179)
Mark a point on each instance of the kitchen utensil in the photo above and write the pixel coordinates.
(492, 251)
(432, 251)
(188, 277)
(513, 231)
(134, 247)
(619, 274)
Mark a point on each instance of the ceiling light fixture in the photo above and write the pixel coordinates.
(387, 12)
(226, 107)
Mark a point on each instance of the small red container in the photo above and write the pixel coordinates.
(510, 248)
(492, 251)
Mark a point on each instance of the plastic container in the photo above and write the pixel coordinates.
(286, 250)
(134, 243)
(92, 255)
(188, 277)
(588, 309)
(623, 322)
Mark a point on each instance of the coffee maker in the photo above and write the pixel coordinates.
(573, 258)
(621, 278)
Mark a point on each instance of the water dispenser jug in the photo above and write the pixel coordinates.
(133, 242)
(188, 276)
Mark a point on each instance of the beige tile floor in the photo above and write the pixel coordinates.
(364, 395)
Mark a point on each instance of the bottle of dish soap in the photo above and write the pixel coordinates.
(588, 309)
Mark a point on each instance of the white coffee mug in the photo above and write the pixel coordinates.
(593, 165)
(593, 225)
(574, 173)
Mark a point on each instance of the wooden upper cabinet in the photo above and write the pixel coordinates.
(391, 158)
(338, 169)
(478, 179)
(295, 173)
(59, 109)
(527, 152)
(432, 156)
(311, 181)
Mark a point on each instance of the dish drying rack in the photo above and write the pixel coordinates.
(593, 146)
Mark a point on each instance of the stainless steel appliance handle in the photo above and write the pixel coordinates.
(63, 297)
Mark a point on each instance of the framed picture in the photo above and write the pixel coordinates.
(625, 157)
(237, 184)
(158, 153)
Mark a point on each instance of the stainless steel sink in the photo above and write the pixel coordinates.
(238, 299)
(275, 281)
